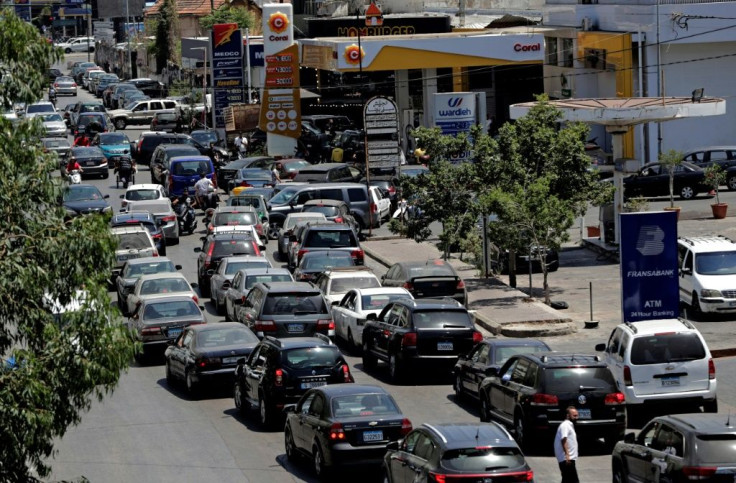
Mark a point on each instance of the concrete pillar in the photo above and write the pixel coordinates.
(403, 103)
(429, 86)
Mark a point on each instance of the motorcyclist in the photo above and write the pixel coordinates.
(73, 164)
(202, 189)
(125, 167)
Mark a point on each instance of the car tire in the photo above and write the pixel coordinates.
(289, 447)
(395, 368)
(240, 403)
(265, 412)
(369, 360)
(520, 432)
(320, 469)
(731, 183)
(67, 50)
(106, 175)
(697, 311)
(687, 192)
(169, 375)
(351, 343)
(710, 406)
(457, 387)
(619, 474)
(120, 123)
(485, 409)
(192, 387)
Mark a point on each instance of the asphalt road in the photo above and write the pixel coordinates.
(148, 431)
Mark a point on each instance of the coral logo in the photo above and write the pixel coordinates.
(455, 101)
(223, 33)
(527, 48)
(278, 22)
(354, 54)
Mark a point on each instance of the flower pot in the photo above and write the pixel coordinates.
(674, 208)
(719, 210)
(594, 231)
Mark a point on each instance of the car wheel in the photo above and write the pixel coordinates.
(710, 406)
(369, 360)
(731, 183)
(169, 375)
(687, 192)
(351, 342)
(107, 175)
(240, 403)
(695, 306)
(485, 409)
(67, 50)
(395, 369)
(120, 123)
(619, 474)
(265, 412)
(458, 387)
(289, 447)
(520, 432)
(192, 387)
(320, 469)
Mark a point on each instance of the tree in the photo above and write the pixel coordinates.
(167, 35)
(670, 161)
(58, 365)
(227, 14)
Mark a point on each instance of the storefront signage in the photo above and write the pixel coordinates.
(280, 109)
(318, 27)
(381, 122)
(527, 47)
(226, 42)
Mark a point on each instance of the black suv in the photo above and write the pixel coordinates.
(334, 210)
(531, 392)
(149, 140)
(413, 334)
(161, 158)
(329, 236)
(682, 447)
(215, 248)
(280, 371)
(287, 309)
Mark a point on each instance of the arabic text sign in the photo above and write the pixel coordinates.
(381, 121)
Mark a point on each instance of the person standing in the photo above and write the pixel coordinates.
(566, 447)
(276, 174)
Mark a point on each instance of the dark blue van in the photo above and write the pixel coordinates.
(184, 173)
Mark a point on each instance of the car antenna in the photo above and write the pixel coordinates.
(728, 419)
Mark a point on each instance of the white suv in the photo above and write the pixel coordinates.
(708, 274)
(337, 281)
(663, 362)
(133, 242)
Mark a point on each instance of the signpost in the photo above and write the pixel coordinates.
(381, 121)
(227, 69)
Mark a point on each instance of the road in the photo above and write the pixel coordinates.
(147, 431)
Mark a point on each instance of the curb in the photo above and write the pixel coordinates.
(718, 353)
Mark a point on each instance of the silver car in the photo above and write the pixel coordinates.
(287, 229)
(160, 285)
(135, 269)
(54, 124)
(65, 86)
(221, 278)
(58, 145)
(162, 210)
(244, 280)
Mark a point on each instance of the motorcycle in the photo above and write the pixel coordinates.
(52, 95)
(75, 176)
(185, 215)
(210, 204)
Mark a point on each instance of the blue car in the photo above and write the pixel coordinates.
(184, 172)
(112, 143)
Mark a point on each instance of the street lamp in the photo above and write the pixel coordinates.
(204, 85)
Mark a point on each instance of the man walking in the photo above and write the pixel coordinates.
(566, 447)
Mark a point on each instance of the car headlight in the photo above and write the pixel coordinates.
(710, 293)
(107, 209)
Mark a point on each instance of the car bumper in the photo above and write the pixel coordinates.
(718, 305)
(66, 91)
(219, 377)
(95, 170)
(56, 133)
(345, 454)
(678, 398)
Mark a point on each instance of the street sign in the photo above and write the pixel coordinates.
(381, 121)
(227, 69)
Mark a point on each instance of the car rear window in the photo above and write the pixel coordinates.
(164, 285)
(330, 239)
(379, 301)
(322, 262)
(311, 357)
(254, 279)
(294, 302)
(431, 270)
(177, 308)
(137, 195)
(438, 319)
(234, 219)
(190, 168)
(504, 353)
(357, 194)
(483, 459)
(569, 379)
(224, 248)
(716, 448)
(325, 210)
(291, 221)
(716, 263)
(363, 405)
(133, 241)
(342, 285)
(233, 267)
(229, 336)
(665, 348)
(139, 269)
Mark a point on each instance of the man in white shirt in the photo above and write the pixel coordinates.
(241, 144)
(202, 189)
(566, 447)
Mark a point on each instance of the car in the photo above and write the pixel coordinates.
(247, 229)
(349, 145)
(160, 159)
(326, 173)
(86, 118)
(287, 229)
(316, 262)
(156, 322)
(166, 121)
(414, 336)
(427, 279)
(380, 204)
(142, 192)
(89, 74)
(207, 354)
(456, 452)
(228, 172)
(723, 156)
(53, 124)
(250, 178)
(328, 236)
(206, 136)
(66, 114)
(681, 447)
(147, 221)
(163, 211)
(65, 86)
(531, 392)
(215, 247)
(58, 145)
(83, 199)
(221, 278)
(124, 99)
(40, 107)
(133, 241)
(80, 67)
(707, 274)
(112, 143)
(257, 201)
(184, 173)
(343, 425)
(279, 371)
(336, 282)
(149, 287)
(335, 211)
(53, 74)
(81, 107)
(389, 185)
(414, 170)
(486, 358)
(329, 123)
(85, 44)
(244, 280)
(135, 268)
(138, 112)
(351, 313)
(660, 365)
(237, 216)
(148, 86)
(653, 180)
(115, 94)
(103, 82)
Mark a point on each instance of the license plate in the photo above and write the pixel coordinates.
(311, 384)
(230, 360)
(444, 346)
(295, 327)
(372, 435)
(584, 413)
(122, 258)
(732, 304)
(89, 163)
(670, 381)
(174, 332)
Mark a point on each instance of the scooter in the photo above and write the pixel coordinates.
(185, 215)
(52, 95)
(210, 204)
(75, 177)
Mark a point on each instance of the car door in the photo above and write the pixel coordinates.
(516, 388)
(254, 370)
(299, 430)
(387, 330)
(249, 311)
(232, 293)
(339, 316)
(420, 458)
(638, 457)
(312, 420)
(686, 261)
(391, 277)
(138, 113)
(475, 370)
(180, 352)
(499, 391)
(400, 460)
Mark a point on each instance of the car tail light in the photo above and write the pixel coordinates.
(140, 142)
(477, 337)
(150, 330)
(195, 298)
(300, 254)
(208, 258)
(614, 398)
(264, 326)
(346, 373)
(259, 229)
(391, 190)
(207, 361)
(711, 369)
(627, 376)
(325, 324)
(698, 473)
(169, 218)
(406, 426)
(460, 285)
(408, 285)
(374, 208)
(437, 478)
(157, 236)
(336, 432)
(256, 250)
(545, 400)
(358, 256)
(278, 377)
(245, 184)
(339, 219)
(409, 339)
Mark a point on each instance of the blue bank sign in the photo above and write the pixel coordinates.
(649, 268)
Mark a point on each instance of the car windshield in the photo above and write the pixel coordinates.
(253, 201)
(291, 220)
(84, 120)
(665, 348)
(251, 280)
(331, 239)
(205, 137)
(164, 285)
(138, 195)
(114, 138)
(295, 166)
(82, 193)
(92, 108)
(289, 303)
(284, 195)
(560, 380)
(52, 118)
(190, 168)
(714, 449)
(483, 459)
(133, 241)
(64, 79)
(149, 268)
(178, 308)
(716, 263)
(225, 336)
(437, 319)
(379, 301)
(35, 108)
(504, 353)
(234, 247)
(322, 262)
(311, 357)
(342, 285)
(233, 267)
(325, 210)
(234, 219)
(363, 405)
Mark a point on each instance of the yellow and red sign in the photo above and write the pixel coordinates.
(278, 22)
(354, 54)
(373, 16)
(280, 106)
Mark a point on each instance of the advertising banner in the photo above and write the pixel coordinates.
(381, 121)
(457, 112)
(649, 266)
(227, 68)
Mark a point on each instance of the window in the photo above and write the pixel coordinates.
(550, 44)
(665, 348)
(331, 194)
(520, 371)
(186, 340)
(155, 106)
(480, 355)
(614, 343)
(424, 447)
(357, 194)
(304, 405)
(318, 404)
(568, 54)
(646, 437)
(669, 441)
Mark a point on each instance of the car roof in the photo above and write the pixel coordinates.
(119, 230)
(217, 326)
(381, 291)
(326, 253)
(349, 272)
(329, 226)
(334, 390)
(470, 435)
(142, 260)
(565, 359)
(235, 209)
(243, 258)
(317, 168)
(289, 287)
(168, 298)
(430, 303)
(193, 157)
(250, 272)
(298, 342)
(708, 244)
(143, 187)
(702, 423)
(325, 202)
(710, 148)
(651, 327)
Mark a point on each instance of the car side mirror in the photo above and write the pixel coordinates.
(106, 196)
(197, 250)
(506, 377)
(393, 446)
(686, 271)
(178, 267)
(290, 408)
(194, 284)
(630, 438)
(241, 361)
(600, 347)
(371, 317)
(210, 272)
(491, 371)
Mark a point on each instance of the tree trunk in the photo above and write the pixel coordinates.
(545, 284)
(512, 268)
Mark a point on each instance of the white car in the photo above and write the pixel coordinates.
(221, 279)
(80, 44)
(336, 282)
(383, 204)
(141, 192)
(37, 108)
(350, 314)
(707, 274)
(240, 229)
(160, 285)
(133, 242)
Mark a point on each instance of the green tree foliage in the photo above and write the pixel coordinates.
(59, 365)
(167, 35)
(227, 14)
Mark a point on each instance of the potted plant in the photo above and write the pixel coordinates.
(715, 176)
(636, 204)
(670, 161)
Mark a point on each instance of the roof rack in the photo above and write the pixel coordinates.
(692, 240)
(631, 326)
(686, 323)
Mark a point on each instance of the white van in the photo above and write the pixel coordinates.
(707, 274)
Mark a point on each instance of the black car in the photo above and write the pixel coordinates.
(82, 199)
(228, 172)
(451, 452)
(52, 74)
(160, 160)
(334, 210)
(678, 448)
(149, 140)
(413, 336)
(427, 279)
(653, 180)
(92, 160)
(134, 269)
(352, 143)
(150, 87)
(317, 262)
(486, 359)
(208, 354)
(531, 392)
(216, 247)
(279, 371)
(326, 173)
(343, 425)
(145, 219)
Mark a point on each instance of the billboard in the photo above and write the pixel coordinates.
(649, 266)
(228, 85)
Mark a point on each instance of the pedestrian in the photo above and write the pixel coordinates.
(276, 174)
(566, 446)
(241, 144)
